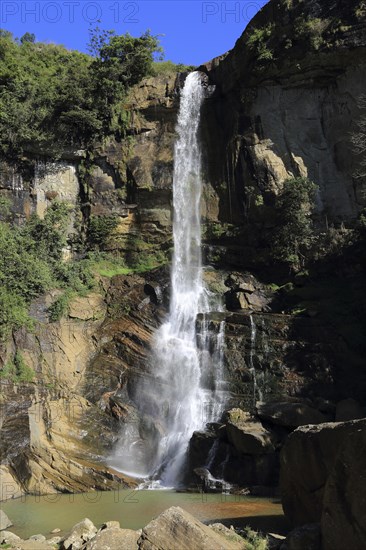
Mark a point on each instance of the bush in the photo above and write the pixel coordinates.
(17, 371)
(13, 313)
(100, 229)
(59, 307)
(24, 373)
(258, 42)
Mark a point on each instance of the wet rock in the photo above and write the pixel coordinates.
(176, 529)
(349, 409)
(289, 414)
(81, 532)
(54, 531)
(247, 435)
(4, 521)
(114, 538)
(306, 537)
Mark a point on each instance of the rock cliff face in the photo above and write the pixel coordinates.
(286, 102)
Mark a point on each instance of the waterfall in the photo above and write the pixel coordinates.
(179, 397)
(253, 341)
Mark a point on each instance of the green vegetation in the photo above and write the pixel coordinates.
(258, 41)
(52, 98)
(100, 229)
(17, 371)
(31, 263)
(168, 67)
(293, 237)
(253, 540)
(312, 29)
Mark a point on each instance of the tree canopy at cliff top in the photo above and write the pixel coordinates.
(52, 98)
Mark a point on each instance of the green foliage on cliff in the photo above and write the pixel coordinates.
(100, 229)
(17, 370)
(258, 41)
(31, 263)
(52, 98)
(293, 236)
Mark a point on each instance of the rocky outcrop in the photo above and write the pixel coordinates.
(323, 480)
(289, 414)
(240, 451)
(176, 529)
(55, 433)
(4, 521)
(296, 66)
(81, 532)
(247, 435)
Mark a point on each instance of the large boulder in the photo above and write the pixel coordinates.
(344, 503)
(176, 529)
(349, 409)
(306, 537)
(289, 414)
(9, 486)
(114, 538)
(247, 435)
(81, 532)
(323, 480)
(4, 521)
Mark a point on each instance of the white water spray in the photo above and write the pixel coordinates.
(177, 399)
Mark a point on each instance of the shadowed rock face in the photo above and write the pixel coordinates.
(323, 480)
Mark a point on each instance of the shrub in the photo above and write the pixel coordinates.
(13, 313)
(17, 371)
(59, 307)
(100, 229)
(24, 373)
(258, 42)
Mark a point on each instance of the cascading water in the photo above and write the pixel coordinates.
(253, 340)
(177, 399)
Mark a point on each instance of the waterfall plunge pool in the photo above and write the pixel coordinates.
(134, 509)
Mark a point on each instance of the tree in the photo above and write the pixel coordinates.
(28, 37)
(293, 236)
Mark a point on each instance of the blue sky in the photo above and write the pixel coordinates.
(194, 31)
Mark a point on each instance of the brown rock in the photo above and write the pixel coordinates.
(114, 538)
(9, 486)
(79, 534)
(247, 435)
(87, 308)
(176, 529)
(4, 521)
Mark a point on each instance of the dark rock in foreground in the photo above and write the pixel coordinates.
(323, 480)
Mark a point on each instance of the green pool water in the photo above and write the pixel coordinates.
(134, 509)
